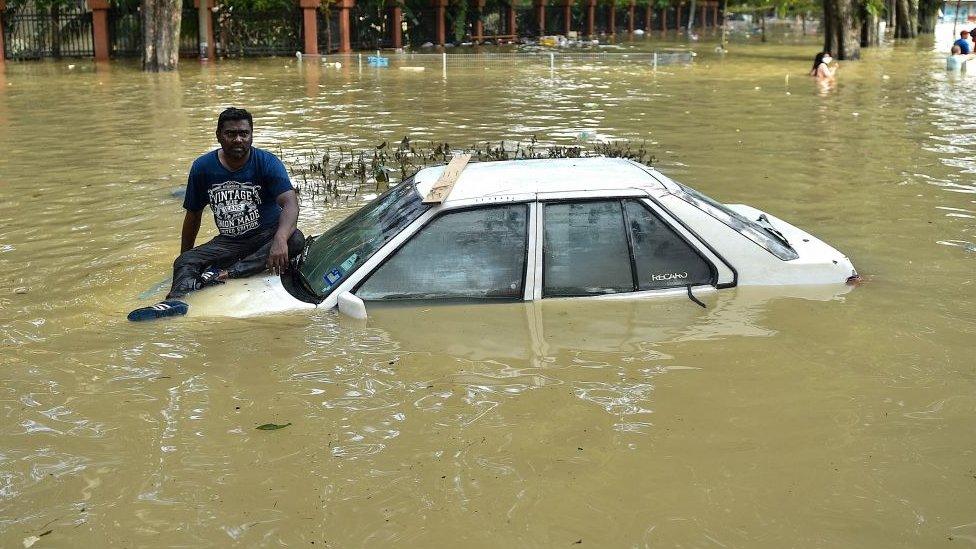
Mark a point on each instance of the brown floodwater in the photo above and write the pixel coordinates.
(795, 417)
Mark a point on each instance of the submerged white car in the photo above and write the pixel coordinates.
(537, 229)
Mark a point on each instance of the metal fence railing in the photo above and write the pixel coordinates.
(65, 28)
(59, 30)
(369, 28)
(420, 25)
(189, 31)
(552, 60)
(267, 32)
(125, 31)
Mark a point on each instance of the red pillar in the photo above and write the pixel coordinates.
(3, 6)
(310, 25)
(568, 16)
(540, 15)
(630, 17)
(100, 28)
(345, 41)
(396, 23)
(440, 7)
(511, 20)
(590, 17)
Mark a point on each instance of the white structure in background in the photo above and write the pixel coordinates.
(965, 15)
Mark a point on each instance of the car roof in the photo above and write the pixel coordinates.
(556, 175)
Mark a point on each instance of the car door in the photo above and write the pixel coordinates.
(599, 247)
(470, 254)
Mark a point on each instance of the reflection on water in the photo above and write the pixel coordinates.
(810, 417)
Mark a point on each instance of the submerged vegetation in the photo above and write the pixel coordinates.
(337, 174)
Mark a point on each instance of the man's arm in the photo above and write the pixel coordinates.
(191, 227)
(287, 223)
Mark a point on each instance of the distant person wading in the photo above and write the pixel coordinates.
(960, 53)
(965, 47)
(821, 67)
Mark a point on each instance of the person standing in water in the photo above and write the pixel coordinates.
(963, 42)
(255, 209)
(821, 67)
(957, 60)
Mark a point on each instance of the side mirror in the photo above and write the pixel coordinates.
(352, 306)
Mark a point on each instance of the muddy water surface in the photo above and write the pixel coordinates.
(800, 417)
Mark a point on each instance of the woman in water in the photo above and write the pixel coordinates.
(821, 66)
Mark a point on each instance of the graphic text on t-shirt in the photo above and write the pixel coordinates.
(235, 206)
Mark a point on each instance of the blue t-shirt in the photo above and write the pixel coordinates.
(963, 45)
(242, 201)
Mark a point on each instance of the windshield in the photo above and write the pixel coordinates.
(738, 222)
(344, 247)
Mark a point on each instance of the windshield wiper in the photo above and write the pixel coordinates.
(763, 222)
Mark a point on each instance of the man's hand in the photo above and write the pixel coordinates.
(278, 258)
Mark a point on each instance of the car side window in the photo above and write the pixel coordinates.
(662, 257)
(585, 250)
(470, 254)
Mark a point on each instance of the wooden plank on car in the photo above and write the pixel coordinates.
(442, 187)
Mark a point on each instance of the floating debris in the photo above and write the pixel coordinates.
(29, 541)
(272, 426)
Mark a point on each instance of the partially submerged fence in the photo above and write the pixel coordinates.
(32, 32)
(33, 29)
(253, 32)
(125, 31)
(552, 60)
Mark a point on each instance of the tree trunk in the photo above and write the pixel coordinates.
(161, 34)
(725, 4)
(328, 28)
(907, 16)
(691, 17)
(928, 11)
(762, 25)
(842, 33)
(55, 31)
(869, 29)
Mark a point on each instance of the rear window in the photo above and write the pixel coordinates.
(614, 246)
(738, 222)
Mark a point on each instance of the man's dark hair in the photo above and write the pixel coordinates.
(232, 114)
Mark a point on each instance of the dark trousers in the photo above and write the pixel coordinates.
(240, 257)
